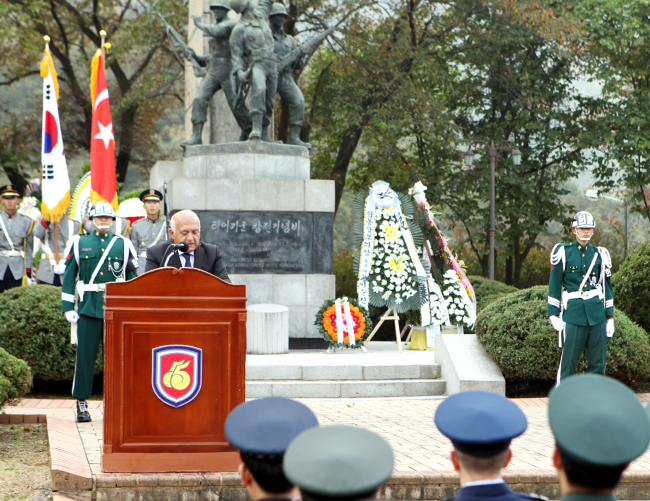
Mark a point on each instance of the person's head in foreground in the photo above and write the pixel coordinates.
(338, 463)
(480, 426)
(599, 426)
(262, 430)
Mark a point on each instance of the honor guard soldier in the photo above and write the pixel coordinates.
(94, 260)
(16, 241)
(341, 462)
(600, 426)
(51, 268)
(481, 426)
(580, 298)
(262, 430)
(150, 230)
(120, 226)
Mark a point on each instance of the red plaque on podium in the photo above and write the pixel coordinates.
(175, 360)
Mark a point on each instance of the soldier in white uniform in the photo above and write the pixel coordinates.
(16, 240)
(51, 268)
(150, 230)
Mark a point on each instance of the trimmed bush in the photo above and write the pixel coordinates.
(33, 329)
(15, 377)
(487, 291)
(517, 334)
(632, 286)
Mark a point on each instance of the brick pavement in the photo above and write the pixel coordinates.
(406, 423)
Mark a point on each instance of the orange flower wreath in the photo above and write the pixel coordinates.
(326, 322)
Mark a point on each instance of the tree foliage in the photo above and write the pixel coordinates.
(142, 73)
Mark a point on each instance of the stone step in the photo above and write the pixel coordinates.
(338, 372)
(346, 389)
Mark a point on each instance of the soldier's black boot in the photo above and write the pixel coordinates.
(195, 138)
(256, 132)
(294, 136)
(243, 136)
(83, 416)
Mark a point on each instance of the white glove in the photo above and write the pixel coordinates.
(31, 281)
(58, 269)
(72, 316)
(558, 324)
(610, 327)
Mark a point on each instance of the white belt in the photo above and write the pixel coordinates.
(82, 287)
(143, 254)
(11, 253)
(566, 296)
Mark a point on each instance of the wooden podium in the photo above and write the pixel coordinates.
(175, 361)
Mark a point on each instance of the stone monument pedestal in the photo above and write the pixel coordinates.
(273, 224)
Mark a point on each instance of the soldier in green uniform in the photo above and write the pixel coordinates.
(253, 59)
(93, 261)
(287, 88)
(580, 299)
(51, 268)
(16, 240)
(150, 230)
(599, 426)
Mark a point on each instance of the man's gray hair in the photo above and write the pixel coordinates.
(182, 214)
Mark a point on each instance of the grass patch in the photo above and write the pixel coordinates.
(24, 460)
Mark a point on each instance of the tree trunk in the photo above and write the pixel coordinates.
(125, 141)
(520, 257)
(509, 267)
(16, 178)
(340, 168)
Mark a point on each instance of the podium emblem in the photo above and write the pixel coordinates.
(176, 373)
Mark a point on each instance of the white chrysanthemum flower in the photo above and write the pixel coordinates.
(399, 300)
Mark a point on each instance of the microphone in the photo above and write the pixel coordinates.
(183, 247)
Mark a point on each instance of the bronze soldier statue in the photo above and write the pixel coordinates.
(287, 88)
(254, 61)
(219, 76)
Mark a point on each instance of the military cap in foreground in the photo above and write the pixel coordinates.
(599, 426)
(338, 462)
(481, 426)
(262, 430)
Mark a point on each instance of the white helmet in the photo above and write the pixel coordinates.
(102, 209)
(583, 220)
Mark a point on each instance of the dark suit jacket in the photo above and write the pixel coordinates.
(207, 257)
(493, 492)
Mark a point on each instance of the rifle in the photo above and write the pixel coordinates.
(305, 48)
(177, 42)
(244, 87)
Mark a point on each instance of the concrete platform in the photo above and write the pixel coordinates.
(422, 468)
(345, 373)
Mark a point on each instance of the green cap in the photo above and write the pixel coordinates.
(598, 421)
(338, 461)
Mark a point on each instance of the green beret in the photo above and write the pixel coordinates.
(338, 461)
(598, 421)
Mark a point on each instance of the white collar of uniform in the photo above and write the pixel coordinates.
(491, 481)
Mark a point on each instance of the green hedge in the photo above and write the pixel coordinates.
(632, 286)
(15, 377)
(33, 329)
(487, 291)
(517, 334)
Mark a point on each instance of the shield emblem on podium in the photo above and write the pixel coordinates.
(176, 373)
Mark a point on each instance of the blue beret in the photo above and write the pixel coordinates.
(267, 425)
(479, 423)
(598, 421)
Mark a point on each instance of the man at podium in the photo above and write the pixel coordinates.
(185, 248)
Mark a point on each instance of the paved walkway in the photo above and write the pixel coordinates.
(406, 423)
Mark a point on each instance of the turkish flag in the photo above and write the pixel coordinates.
(103, 180)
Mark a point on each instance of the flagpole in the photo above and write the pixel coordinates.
(103, 35)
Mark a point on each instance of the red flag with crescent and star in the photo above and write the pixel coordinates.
(103, 180)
